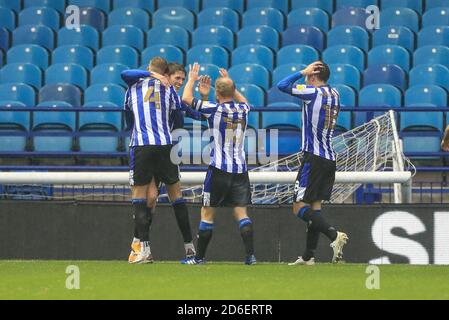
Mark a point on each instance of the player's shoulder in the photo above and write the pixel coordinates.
(304, 87)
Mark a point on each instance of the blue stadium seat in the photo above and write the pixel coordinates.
(219, 16)
(197, 95)
(282, 5)
(325, 5)
(7, 19)
(299, 54)
(40, 16)
(436, 17)
(314, 17)
(422, 94)
(213, 35)
(253, 54)
(286, 70)
(275, 95)
(421, 141)
(74, 54)
(237, 5)
(379, 95)
(171, 53)
(404, 17)
(18, 92)
(350, 17)
(387, 74)
(430, 74)
(130, 16)
(104, 5)
(13, 119)
(348, 96)
(67, 73)
(416, 5)
(93, 17)
(349, 35)
(148, 5)
(288, 141)
(434, 35)
(341, 4)
(345, 74)
(124, 35)
(61, 92)
(209, 54)
(254, 94)
(261, 35)
(251, 73)
(174, 17)
(253, 123)
(29, 53)
(211, 70)
(108, 73)
(421, 120)
(40, 35)
(58, 5)
(84, 36)
(264, 16)
(125, 55)
(167, 35)
(272, 119)
(192, 5)
(311, 36)
(59, 118)
(54, 104)
(106, 143)
(16, 5)
(344, 54)
(111, 119)
(4, 39)
(105, 92)
(283, 105)
(431, 54)
(21, 73)
(389, 54)
(431, 4)
(400, 36)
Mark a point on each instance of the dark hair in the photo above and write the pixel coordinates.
(159, 65)
(325, 72)
(174, 67)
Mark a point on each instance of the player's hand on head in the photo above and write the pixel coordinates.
(194, 71)
(312, 69)
(163, 79)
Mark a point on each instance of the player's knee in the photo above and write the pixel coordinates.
(245, 226)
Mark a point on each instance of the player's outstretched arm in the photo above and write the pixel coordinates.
(445, 142)
(187, 96)
(238, 96)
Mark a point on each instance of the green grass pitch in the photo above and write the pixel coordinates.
(218, 281)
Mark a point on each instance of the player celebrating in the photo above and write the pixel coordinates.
(227, 183)
(316, 177)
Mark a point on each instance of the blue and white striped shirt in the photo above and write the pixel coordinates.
(227, 125)
(151, 102)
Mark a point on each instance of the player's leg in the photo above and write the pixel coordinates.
(246, 232)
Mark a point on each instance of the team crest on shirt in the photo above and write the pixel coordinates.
(301, 87)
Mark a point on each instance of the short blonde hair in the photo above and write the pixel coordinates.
(225, 87)
(159, 65)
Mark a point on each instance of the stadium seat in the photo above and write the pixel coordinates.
(431, 54)
(104, 5)
(288, 141)
(430, 74)
(237, 5)
(213, 35)
(400, 36)
(344, 54)
(4, 39)
(104, 143)
(422, 120)
(313, 17)
(192, 5)
(421, 141)
(54, 104)
(59, 118)
(350, 17)
(13, 120)
(281, 119)
(174, 17)
(416, 5)
(275, 95)
(30, 53)
(261, 35)
(377, 95)
(299, 54)
(118, 54)
(169, 35)
(84, 36)
(253, 123)
(7, 19)
(148, 5)
(282, 5)
(197, 95)
(58, 5)
(422, 94)
(110, 119)
(105, 92)
(30, 34)
(209, 54)
(253, 54)
(171, 53)
(130, 16)
(264, 16)
(67, 73)
(61, 92)
(93, 17)
(389, 54)
(15, 5)
(251, 73)
(40, 16)
(18, 92)
(254, 94)
(124, 35)
(434, 35)
(21, 73)
(431, 4)
(349, 35)
(108, 73)
(345, 74)
(325, 5)
(404, 17)
(74, 54)
(211, 70)
(286, 70)
(347, 99)
(387, 74)
(341, 4)
(436, 17)
(219, 16)
(311, 36)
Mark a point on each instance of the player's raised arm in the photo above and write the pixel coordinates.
(133, 75)
(303, 92)
(238, 96)
(445, 142)
(187, 96)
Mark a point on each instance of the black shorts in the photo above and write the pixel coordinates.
(224, 189)
(148, 162)
(315, 179)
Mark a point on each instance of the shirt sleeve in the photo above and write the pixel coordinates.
(191, 113)
(175, 100)
(127, 103)
(206, 108)
(132, 76)
(306, 93)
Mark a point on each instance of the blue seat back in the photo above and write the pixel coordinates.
(251, 73)
(422, 94)
(254, 94)
(169, 52)
(404, 17)
(105, 92)
(219, 16)
(169, 35)
(174, 16)
(108, 73)
(19, 92)
(314, 17)
(345, 74)
(81, 55)
(388, 74)
(253, 54)
(124, 35)
(29, 53)
(395, 35)
(344, 54)
(210, 54)
(389, 54)
(34, 34)
(349, 35)
(430, 74)
(40, 16)
(67, 73)
(130, 16)
(311, 36)
(264, 16)
(125, 55)
(299, 54)
(61, 92)
(21, 72)
(213, 35)
(84, 36)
